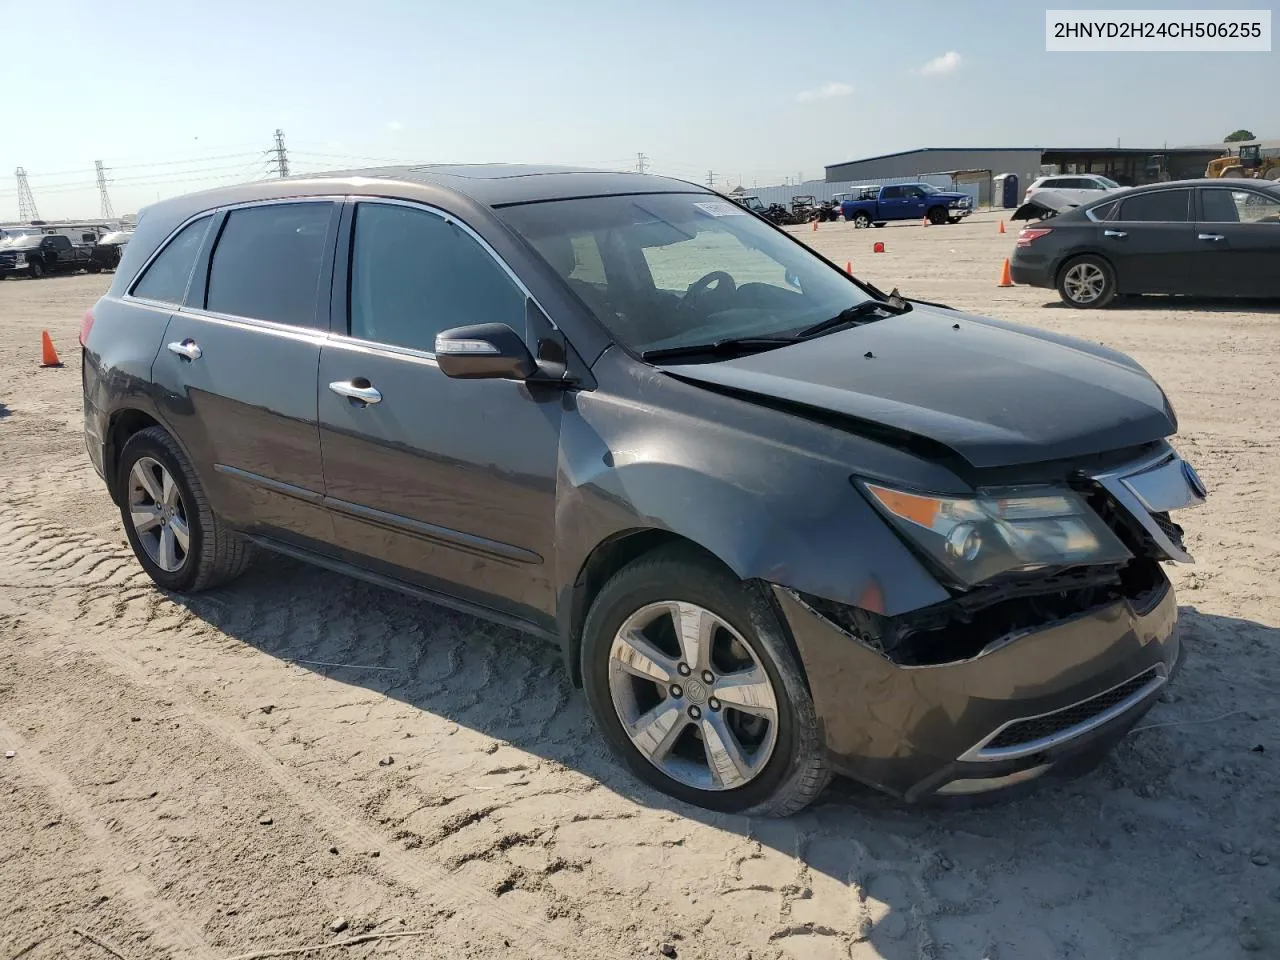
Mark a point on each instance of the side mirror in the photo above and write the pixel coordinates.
(484, 351)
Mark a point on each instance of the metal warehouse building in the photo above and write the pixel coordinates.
(1129, 166)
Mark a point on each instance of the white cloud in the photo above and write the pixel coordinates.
(949, 62)
(395, 126)
(825, 92)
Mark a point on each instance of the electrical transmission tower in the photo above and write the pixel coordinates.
(282, 155)
(711, 178)
(641, 162)
(26, 202)
(107, 212)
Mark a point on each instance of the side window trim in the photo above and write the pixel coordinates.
(340, 309)
(129, 294)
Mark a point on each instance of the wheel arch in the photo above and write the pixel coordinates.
(607, 558)
(1075, 255)
(122, 425)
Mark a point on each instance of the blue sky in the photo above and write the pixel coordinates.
(175, 96)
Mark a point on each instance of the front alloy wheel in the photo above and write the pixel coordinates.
(692, 681)
(692, 697)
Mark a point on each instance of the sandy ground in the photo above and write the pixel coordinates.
(190, 780)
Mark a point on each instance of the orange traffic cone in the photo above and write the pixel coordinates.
(848, 267)
(48, 355)
(924, 221)
(1002, 226)
(878, 247)
(1006, 278)
(815, 226)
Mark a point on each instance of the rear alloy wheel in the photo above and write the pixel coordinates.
(691, 682)
(1087, 283)
(174, 533)
(861, 220)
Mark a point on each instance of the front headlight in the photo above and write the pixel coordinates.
(1000, 531)
(19, 259)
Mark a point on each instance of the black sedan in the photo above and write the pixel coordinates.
(1213, 238)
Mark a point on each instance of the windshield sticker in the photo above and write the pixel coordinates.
(721, 208)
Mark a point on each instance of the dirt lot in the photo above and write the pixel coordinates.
(195, 778)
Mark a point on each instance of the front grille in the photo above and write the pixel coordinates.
(1038, 728)
(1168, 527)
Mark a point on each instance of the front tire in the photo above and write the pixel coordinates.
(1087, 282)
(180, 542)
(36, 270)
(692, 683)
(938, 216)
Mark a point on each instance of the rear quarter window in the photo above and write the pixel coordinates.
(165, 280)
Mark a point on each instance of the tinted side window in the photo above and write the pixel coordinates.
(892, 193)
(414, 274)
(1164, 206)
(1218, 207)
(166, 278)
(267, 263)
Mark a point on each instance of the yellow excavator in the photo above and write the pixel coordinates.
(1247, 161)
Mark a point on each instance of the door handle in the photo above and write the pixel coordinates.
(1212, 237)
(1118, 234)
(352, 390)
(187, 349)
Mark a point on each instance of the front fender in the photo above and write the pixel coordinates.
(782, 512)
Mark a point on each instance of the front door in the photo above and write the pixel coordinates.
(1152, 244)
(448, 483)
(238, 367)
(1238, 232)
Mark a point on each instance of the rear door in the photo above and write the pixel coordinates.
(447, 483)
(1238, 232)
(1152, 244)
(238, 366)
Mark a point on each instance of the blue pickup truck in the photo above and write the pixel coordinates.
(904, 201)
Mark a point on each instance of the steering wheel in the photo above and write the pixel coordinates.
(716, 289)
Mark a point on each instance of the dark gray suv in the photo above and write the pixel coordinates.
(779, 522)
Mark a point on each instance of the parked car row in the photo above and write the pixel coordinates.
(1210, 237)
(37, 255)
(780, 523)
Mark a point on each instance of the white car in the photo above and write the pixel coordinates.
(1081, 187)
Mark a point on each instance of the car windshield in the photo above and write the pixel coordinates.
(670, 270)
(26, 242)
(928, 188)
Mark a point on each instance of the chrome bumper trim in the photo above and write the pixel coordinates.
(980, 753)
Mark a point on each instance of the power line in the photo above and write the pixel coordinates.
(156, 163)
(104, 200)
(282, 155)
(26, 202)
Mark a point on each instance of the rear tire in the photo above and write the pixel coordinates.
(1087, 282)
(162, 503)
(772, 767)
(861, 220)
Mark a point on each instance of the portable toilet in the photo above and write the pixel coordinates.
(1005, 190)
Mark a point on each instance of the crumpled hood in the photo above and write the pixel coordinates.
(995, 393)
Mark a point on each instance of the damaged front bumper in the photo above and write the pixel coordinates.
(1039, 701)
(1011, 680)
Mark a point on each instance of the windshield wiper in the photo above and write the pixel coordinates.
(893, 305)
(719, 348)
